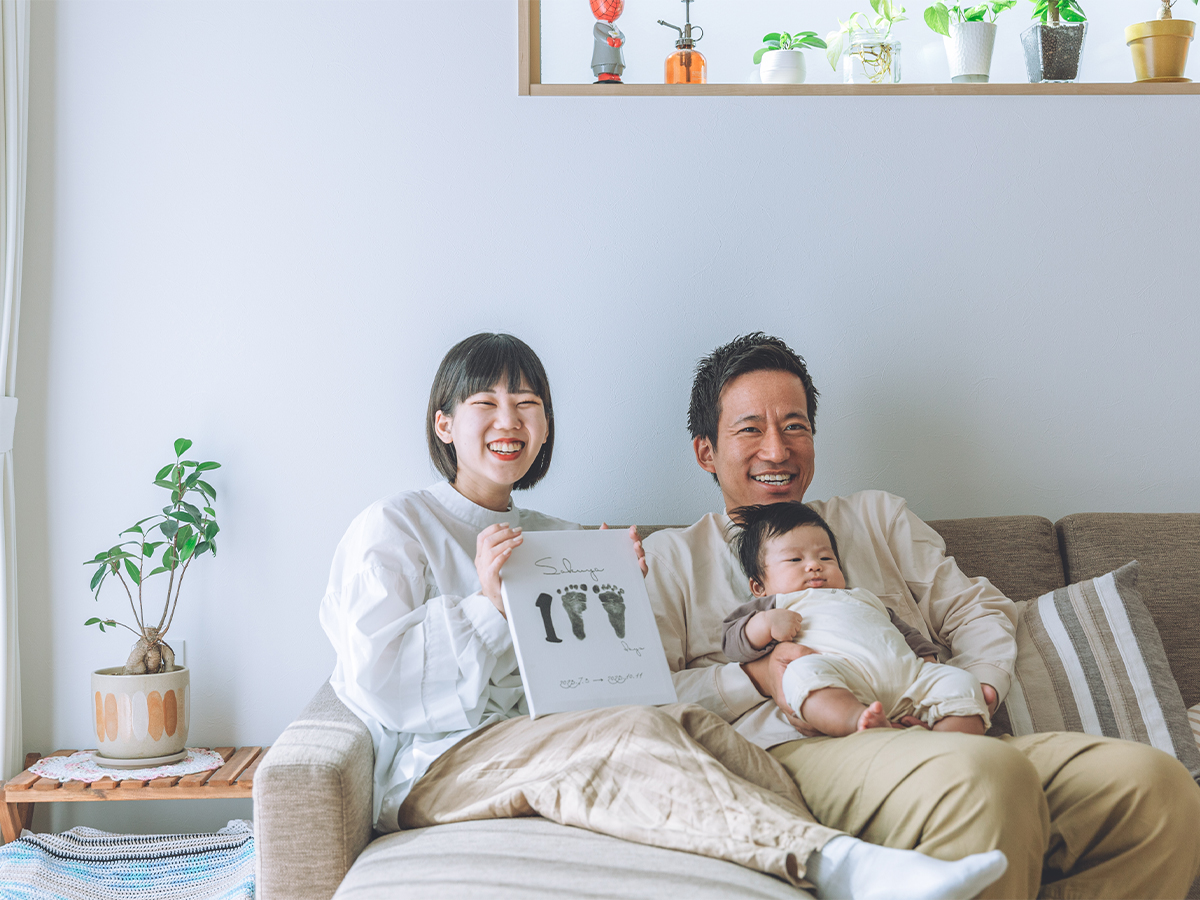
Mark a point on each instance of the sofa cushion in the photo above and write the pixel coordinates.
(501, 859)
(1018, 554)
(1168, 547)
(1089, 659)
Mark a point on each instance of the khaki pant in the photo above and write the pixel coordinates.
(1078, 816)
(676, 776)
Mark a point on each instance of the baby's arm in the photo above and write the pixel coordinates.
(735, 642)
(772, 625)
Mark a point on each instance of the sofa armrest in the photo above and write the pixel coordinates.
(312, 802)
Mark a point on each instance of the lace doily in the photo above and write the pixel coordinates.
(80, 766)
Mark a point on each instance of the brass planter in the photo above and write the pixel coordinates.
(1160, 48)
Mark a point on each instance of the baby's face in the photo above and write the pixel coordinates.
(801, 559)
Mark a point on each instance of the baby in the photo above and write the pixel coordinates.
(864, 674)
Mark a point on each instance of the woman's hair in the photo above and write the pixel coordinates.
(476, 364)
(758, 524)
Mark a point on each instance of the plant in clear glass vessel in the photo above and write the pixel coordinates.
(871, 53)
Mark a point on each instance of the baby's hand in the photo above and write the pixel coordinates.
(784, 624)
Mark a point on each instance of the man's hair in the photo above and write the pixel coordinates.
(477, 364)
(758, 524)
(749, 353)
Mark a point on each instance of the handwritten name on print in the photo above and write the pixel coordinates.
(550, 568)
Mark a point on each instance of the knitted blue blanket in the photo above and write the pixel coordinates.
(86, 864)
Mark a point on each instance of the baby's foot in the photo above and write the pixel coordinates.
(873, 717)
(613, 600)
(574, 601)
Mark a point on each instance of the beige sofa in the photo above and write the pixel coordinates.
(312, 793)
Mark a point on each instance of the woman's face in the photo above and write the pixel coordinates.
(496, 436)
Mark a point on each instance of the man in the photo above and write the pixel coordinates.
(1076, 815)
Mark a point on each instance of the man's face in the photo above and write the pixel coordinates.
(764, 450)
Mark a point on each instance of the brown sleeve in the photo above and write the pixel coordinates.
(920, 644)
(734, 643)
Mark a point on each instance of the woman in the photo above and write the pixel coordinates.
(425, 659)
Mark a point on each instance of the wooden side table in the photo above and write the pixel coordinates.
(234, 780)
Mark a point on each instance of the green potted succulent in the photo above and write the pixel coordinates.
(1160, 48)
(1054, 43)
(781, 58)
(969, 33)
(141, 708)
(871, 53)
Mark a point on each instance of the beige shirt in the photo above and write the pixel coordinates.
(695, 582)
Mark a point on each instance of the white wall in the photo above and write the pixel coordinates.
(260, 225)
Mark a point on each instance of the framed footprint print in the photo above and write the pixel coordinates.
(581, 623)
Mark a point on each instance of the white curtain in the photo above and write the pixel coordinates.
(14, 69)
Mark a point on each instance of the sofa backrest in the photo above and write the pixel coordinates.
(1167, 545)
(1018, 554)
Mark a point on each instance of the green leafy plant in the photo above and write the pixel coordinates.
(1050, 12)
(187, 532)
(887, 14)
(939, 16)
(781, 40)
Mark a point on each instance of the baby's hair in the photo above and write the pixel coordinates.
(758, 524)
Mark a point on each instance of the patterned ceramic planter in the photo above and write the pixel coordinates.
(140, 716)
(969, 50)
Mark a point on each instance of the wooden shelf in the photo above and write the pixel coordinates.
(529, 24)
(854, 90)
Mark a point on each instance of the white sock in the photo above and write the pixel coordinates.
(849, 869)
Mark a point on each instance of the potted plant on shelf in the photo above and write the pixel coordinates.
(1160, 48)
(1054, 45)
(969, 34)
(873, 56)
(781, 60)
(141, 708)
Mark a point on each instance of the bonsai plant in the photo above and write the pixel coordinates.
(969, 34)
(781, 60)
(1054, 45)
(141, 711)
(870, 44)
(1160, 48)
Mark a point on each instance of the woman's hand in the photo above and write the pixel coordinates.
(493, 547)
(637, 547)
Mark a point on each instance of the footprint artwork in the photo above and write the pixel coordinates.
(543, 603)
(612, 598)
(574, 601)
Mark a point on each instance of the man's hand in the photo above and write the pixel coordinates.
(991, 698)
(637, 547)
(767, 676)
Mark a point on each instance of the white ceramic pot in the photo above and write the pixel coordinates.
(969, 49)
(140, 716)
(783, 67)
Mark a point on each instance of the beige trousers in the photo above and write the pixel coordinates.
(675, 776)
(1078, 816)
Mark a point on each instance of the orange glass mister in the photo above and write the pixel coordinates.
(687, 64)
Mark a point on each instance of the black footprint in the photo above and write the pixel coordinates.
(574, 601)
(613, 600)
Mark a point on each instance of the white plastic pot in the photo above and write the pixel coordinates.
(969, 49)
(783, 67)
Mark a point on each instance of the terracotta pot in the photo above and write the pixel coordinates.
(1160, 48)
(140, 716)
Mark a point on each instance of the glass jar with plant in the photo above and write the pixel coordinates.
(780, 60)
(1054, 44)
(142, 708)
(872, 55)
(969, 33)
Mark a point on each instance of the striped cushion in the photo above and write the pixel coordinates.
(1090, 659)
(1194, 719)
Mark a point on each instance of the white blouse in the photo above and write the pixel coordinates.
(423, 658)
